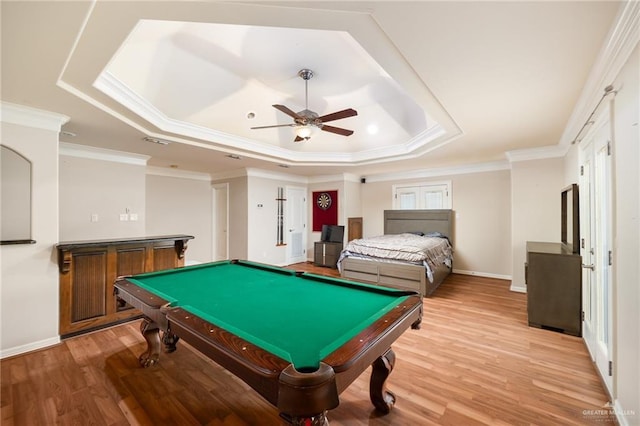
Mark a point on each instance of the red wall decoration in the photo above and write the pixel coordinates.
(325, 209)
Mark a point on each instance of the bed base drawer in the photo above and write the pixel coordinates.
(405, 277)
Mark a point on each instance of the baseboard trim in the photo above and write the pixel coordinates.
(621, 414)
(19, 350)
(518, 289)
(482, 274)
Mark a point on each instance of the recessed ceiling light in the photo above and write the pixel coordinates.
(251, 115)
(234, 157)
(372, 129)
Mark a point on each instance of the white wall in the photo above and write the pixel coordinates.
(261, 210)
(102, 188)
(238, 216)
(29, 281)
(482, 231)
(352, 202)
(181, 203)
(253, 214)
(482, 206)
(262, 217)
(536, 186)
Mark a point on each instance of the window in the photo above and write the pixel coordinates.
(435, 195)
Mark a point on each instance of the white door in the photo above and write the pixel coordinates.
(220, 222)
(596, 244)
(296, 225)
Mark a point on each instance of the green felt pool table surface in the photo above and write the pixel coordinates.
(298, 339)
(300, 318)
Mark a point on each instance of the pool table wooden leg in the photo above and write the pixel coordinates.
(381, 398)
(169, 340)
(151, 334)
(416, 324)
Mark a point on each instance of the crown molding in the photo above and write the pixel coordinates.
(437, 172)
(428, 140)
(175, 173)
(539, 153)
(93, 153)
(342, 177)
(622, 39)
(266, 174)
(232, 174)
(350, 177)
(259, 173)
(31, 117)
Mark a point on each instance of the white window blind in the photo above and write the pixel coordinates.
(435, 195)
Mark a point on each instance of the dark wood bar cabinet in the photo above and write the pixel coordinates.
(88, 270)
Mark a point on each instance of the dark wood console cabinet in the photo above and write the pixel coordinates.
(88, 270)
(553, 274)
(326, 253)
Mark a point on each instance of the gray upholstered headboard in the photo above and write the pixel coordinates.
(399, 221)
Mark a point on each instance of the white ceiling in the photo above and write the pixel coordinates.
(446, 83)
(205, 80)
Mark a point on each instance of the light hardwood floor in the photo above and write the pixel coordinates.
(474, 361)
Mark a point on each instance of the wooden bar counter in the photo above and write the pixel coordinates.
(88, 270)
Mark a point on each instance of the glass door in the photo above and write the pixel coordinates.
(597, 249)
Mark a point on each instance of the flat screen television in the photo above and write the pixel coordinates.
(332, 233)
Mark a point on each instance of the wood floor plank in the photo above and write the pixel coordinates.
(474, 362)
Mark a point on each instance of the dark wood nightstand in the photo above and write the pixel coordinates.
(326, 253)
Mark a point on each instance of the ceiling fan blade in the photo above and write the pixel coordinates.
(337, 130)
(338, 115)
(298, 139)
(276, 125)
(287, 111)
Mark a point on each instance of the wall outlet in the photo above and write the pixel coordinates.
(133, 217)
(94, 217)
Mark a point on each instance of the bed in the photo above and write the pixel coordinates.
(365, 259)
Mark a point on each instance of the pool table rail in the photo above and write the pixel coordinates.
(271, 376)
(258, 368)
(150, 304)
(354, 357)
(277, 381)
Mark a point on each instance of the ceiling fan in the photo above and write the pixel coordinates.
(306, 121)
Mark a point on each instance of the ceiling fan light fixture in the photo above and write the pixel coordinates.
(307, 122)
(306, 131)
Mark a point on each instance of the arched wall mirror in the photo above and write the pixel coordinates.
(15, 190)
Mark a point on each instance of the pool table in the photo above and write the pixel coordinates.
(298, 339)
